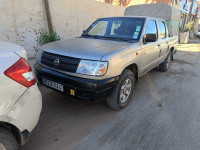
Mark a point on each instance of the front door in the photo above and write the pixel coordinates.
(150, 50)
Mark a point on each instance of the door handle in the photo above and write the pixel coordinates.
(159, 45)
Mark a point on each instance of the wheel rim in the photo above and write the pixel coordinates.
(168, 61)
(125, 90)
(2, 147)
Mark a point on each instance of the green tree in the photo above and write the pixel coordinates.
(190, 26)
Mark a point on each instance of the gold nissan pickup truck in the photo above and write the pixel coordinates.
(106, 61)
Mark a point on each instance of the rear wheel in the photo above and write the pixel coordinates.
(7, 140)
(164, 66)
(123, 91)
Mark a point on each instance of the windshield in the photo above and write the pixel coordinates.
(116, 28)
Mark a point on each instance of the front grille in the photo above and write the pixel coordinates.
(68, 64)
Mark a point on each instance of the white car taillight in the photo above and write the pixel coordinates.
(22, 73)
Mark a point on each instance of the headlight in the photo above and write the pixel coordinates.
(39, 56)
(95, 68)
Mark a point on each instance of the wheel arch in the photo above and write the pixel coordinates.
(172, 48)
(13, 129)
(134, 68)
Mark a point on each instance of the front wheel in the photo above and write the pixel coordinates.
(123, 91)
(7, 140)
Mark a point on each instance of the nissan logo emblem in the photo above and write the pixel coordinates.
(56, 62)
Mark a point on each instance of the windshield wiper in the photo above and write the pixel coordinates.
(120, 39)
(108, 37)
(128, 40)
(88, 35)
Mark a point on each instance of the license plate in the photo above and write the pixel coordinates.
(54, 85)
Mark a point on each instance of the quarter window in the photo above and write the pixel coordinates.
(152, 28)
(162, 29)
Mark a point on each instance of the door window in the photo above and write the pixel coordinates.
(152, 28)
(162, 29)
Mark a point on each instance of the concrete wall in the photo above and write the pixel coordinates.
(71, 17)
(137, 2)
(19, 21)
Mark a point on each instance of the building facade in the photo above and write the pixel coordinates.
(126, 3)
(190, 9)
(190, 12)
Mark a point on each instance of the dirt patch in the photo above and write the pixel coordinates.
(182, 72)
(181, 62)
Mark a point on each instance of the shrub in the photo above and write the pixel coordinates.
(190, 26)
(183, 30)
(45, 37)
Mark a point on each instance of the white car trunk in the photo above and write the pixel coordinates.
(8, 96)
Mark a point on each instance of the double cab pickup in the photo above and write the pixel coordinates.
(106, 61)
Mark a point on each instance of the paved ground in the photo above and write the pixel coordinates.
(163, 114)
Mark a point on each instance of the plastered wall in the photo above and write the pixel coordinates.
(71, 17)
(21, 19)
(19, 22)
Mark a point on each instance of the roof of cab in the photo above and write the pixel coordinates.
(142, 17)
(157, 10)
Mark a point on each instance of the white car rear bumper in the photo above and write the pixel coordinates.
(25, 113)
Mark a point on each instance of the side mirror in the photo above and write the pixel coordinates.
(150, 38)
(84, 31)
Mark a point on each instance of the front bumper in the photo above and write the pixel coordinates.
(25, 113)
(87, 89)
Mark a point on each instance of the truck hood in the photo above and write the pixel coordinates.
(84, 48)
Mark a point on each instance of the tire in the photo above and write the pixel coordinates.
(172, 55)
(7, 140)
(122, 91)
(164, 66)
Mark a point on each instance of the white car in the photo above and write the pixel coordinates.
(20, 99)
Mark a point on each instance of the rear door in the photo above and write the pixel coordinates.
(150, 50)
(163, 40)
